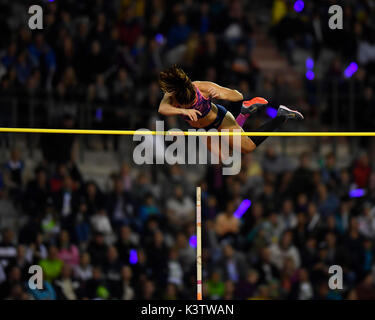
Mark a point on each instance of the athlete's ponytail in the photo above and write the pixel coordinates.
(174, 80)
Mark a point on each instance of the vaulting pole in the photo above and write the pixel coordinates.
(199, 244)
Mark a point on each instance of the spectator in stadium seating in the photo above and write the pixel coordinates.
(267, 271)
(210, 208)
(175, 272)
(362, 171)
(149, 209)
(327, 202)
(288, 217)
(51, 265)
(68, 252)
(185, 251)
(8, 250)
(330, 174)
(157, 253)
(83, 271)
(215, 286)
(366, 222)
(283, 249)
(247, 288)
(97, 249)
(148, 291)
(121, 208)
(313, 217)
(302, 177)
(13, 278)
(14, 172)
(101, 223)
(23, 261)
(353, 243)
(82, 229)
(366, 290)
(299, 232)
(96, 287)
(226, 224)
(127, 292)
(289, 277)
(66, 287)
(112, 270)
(302, 289)
(273, 227)
(94, 198)
(36, 193)
(180, 208)
(233, 264)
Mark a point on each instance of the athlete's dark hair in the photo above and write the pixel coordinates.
(174, 80)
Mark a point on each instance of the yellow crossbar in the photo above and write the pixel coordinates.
(188, 133)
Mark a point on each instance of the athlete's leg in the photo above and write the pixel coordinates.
(283, 114)
(230, 123)
(214, 143)
(249, 144)
(248, 108)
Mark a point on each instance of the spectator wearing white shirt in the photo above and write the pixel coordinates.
(180, 208)
(83, 271)
(284, 249)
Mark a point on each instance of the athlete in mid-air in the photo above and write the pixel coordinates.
(192, 101)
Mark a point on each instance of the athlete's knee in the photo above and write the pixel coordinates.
(248, 147)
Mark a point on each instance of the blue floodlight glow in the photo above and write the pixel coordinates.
(271, 112)
(299, 5)
(310, 75)
(245, 204)
(193, 241)
(99, 114)
(351, 69)
(159, 38)
(357, 193)
(309, 64)
(133, 256)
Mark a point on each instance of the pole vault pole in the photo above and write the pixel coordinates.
(199, 244)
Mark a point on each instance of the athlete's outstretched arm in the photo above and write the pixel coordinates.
(215, 91)
(167, 109)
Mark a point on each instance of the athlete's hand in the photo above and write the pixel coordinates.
(191, 113)
(214, 93)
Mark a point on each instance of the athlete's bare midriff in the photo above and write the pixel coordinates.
(206, 120)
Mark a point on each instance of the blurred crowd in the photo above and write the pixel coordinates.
(108, 54)
(135, 238)
(99, 60)
(339, 54)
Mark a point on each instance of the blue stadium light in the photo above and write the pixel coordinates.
(99, 114)
(245, 204)
(271, 112)
(351, 69)
(159, 38)
(310, 75)
(357, 193)
(133, 256)
(299, 5)
(309, 64)
(193, 241)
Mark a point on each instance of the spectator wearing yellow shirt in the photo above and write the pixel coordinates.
(52, 265)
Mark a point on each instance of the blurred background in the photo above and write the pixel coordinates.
(103, 228)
